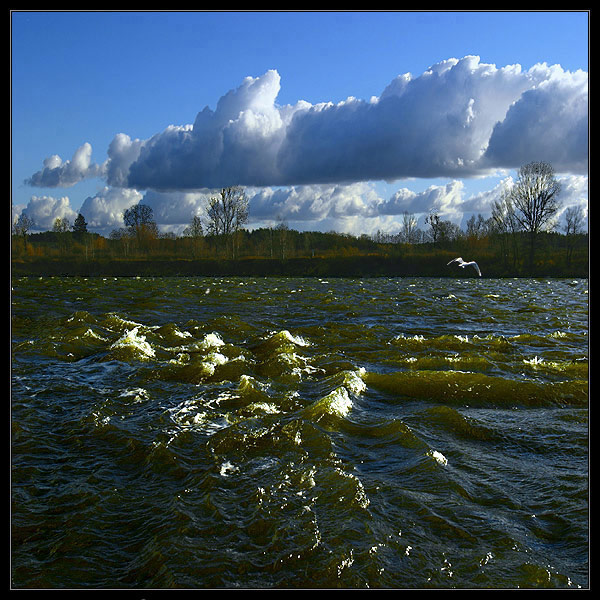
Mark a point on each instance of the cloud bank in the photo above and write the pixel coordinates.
(354, 208)
(460, 118)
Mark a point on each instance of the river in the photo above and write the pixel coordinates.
(299, 433)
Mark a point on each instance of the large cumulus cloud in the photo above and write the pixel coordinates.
(460, 118)
(235, 144)
(442, 124)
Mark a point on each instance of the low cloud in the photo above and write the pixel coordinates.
(355, 208)
(104, 211)
(44, 210)
(460, 118)
(312, 203)
(57, 173)
(176, 208)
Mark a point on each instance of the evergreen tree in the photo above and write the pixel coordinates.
(79, 225)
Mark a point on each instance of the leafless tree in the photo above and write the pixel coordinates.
(226, 214)
(505, 225)
(573, 225)
(195, 232)
(409, 234)
(573, 220)
(22, 227)
(535, 200)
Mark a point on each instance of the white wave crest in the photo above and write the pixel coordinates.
(133, 340)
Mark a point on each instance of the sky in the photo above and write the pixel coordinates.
(338, 121)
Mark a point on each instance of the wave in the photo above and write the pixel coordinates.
(477, 389)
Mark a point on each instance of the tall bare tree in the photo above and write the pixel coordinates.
(226, 214)
(535, 200)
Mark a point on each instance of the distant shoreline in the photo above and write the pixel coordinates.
(355, 266)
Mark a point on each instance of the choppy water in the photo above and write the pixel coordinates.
(197, 432)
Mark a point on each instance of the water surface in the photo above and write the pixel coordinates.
(237, 432)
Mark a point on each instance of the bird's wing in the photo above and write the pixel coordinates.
(476, 267)
(459, 260)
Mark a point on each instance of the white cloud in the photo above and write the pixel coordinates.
(574, 192)
(548, 122)
(176, 208)
(104, 211)
(314, 202)
(435, 125)
(44, 210)
(444, 199)
(236, 143)
(122, 152)
(57, 173)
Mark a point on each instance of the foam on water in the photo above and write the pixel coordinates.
(133, 340)
(438, 457)
(211, 340)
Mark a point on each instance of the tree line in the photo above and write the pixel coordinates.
(519, 239)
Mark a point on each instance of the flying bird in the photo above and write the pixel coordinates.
(461, 263)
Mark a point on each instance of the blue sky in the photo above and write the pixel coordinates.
(84, 77)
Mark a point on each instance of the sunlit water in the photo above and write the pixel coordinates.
(198, 432)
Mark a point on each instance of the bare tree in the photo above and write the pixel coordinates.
(441, 231)
(433, 220)
(195, 232)
(506, 226)
(573, 225)
(227, 213)
(477, 227)
(573, 220)
(282, 230)
(22, 227)
(535, 200)
(409, 234)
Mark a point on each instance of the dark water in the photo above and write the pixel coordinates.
(196, 432)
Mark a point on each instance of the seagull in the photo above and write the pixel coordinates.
(463, 264)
